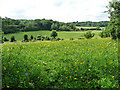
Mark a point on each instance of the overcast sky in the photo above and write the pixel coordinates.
(60, 10)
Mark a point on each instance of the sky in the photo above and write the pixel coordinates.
(59, 10)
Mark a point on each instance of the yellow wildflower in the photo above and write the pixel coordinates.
(75, 78)
(4, 68)
(30, 83)
(88, 82)
(81, 63)
(112, 76)
(8, 86)
(110, 63)
(21, 82)
(88, 69)
(75, 63)
(61, 82)
(66, 77)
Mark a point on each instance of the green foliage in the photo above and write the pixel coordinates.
(25, 37)
(92, 24)
(10, 29)
(53, 33)
(105, 33)
(31, 38)
(114, 24)
(39, 37)
(2, 41)
(12, 39)
(89, 35)
(5, 39)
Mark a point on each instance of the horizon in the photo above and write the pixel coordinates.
(61, 10)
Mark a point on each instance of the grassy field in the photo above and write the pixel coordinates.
(61, 64)
(63, 34)
(88, 27)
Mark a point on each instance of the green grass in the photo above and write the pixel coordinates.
(88, 27)
(85, 27)
(61, 64)
(61, 34)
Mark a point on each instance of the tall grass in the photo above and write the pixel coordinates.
(61, 64)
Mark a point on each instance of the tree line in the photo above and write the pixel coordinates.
(92, 24)
(23, 25)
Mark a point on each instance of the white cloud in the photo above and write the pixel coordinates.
(60, 10)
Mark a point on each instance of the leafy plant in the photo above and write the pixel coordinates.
(53, 33)
(89, 35)
(13, 39)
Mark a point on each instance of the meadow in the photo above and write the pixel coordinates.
(61, 34)
(91, 63)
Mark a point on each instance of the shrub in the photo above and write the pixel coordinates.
(47, 38)
(39, 37)
(104, 33)
(54, 33)
(71, 39)
(5, 39)
(13, 39)
(25, 37)
(89, 35)
(58, 39)
(31, 38)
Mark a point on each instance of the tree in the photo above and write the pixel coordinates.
(13, 39)
(114, 24)
(54, 33)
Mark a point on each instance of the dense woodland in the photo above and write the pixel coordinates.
(23, 25)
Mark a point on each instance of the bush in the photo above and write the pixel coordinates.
(104, 34)
(47, 38)
(5, 39)
(58, 39)
(31, 38)
(54, 33)
(71, 39)
(13, 39)
(89, 35)
(26, 37)
(39, 37)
